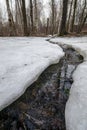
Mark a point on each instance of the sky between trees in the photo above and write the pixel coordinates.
(4, 11)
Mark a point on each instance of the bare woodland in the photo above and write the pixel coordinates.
(65, 17)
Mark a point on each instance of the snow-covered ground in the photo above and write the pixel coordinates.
(22, 60)
(76, 107)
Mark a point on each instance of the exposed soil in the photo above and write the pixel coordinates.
(42, 107)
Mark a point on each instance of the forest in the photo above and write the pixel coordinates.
(40, 18)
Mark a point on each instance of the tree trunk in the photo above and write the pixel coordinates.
(62, 28)
(82, 19)
(68, 22)
(82, 24)
(73, 16)
(47, 29)
(36, 16)
(18, 18)
(31, 15)
(24, 18)
(53, 4)
(10, 20)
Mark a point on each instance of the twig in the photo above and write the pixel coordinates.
(36, 121)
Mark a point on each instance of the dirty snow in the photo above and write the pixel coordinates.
(22, 60)
(76, 107)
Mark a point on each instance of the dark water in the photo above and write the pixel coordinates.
(42, 107)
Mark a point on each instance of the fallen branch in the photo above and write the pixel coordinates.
(36, 121)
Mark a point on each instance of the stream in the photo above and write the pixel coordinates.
(42, 106)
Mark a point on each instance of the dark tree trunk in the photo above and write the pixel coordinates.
(62, 28)
(47, 29)
(31, 15)
(24, 18)
(36, 16)
(53, 4)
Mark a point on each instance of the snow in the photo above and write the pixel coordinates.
(76, 107)
(22, 60)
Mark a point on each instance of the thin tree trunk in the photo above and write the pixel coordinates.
(24, 18)
(19, 18)
(53, 4)
(31, 15)
(68, 22)
(36, 16)
(10, 20)
(82, 24)
(47, 29)
(82, 19)
(73, 16)
(62, 28)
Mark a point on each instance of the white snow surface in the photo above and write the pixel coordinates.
(22, 60)
(76, 107)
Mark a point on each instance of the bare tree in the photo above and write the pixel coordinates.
(10, 19)
(1, 23)
(62, 28)
(31, 15)
(83, 22)
(82, 17)
(24, 18)
(47, 28)
(18, 18)
(73, 16)
(36, 16)
(53, 4)
(70, 10)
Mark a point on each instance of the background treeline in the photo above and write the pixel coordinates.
(28, 18)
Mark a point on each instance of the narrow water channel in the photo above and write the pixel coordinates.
(42, 107)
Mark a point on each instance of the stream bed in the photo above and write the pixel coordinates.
(42, 106)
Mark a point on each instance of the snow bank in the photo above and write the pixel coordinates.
(22, 60)
(76, 107)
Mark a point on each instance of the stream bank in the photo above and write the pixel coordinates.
(42, 106)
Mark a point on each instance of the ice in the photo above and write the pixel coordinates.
(76, 107)
(22, 60)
